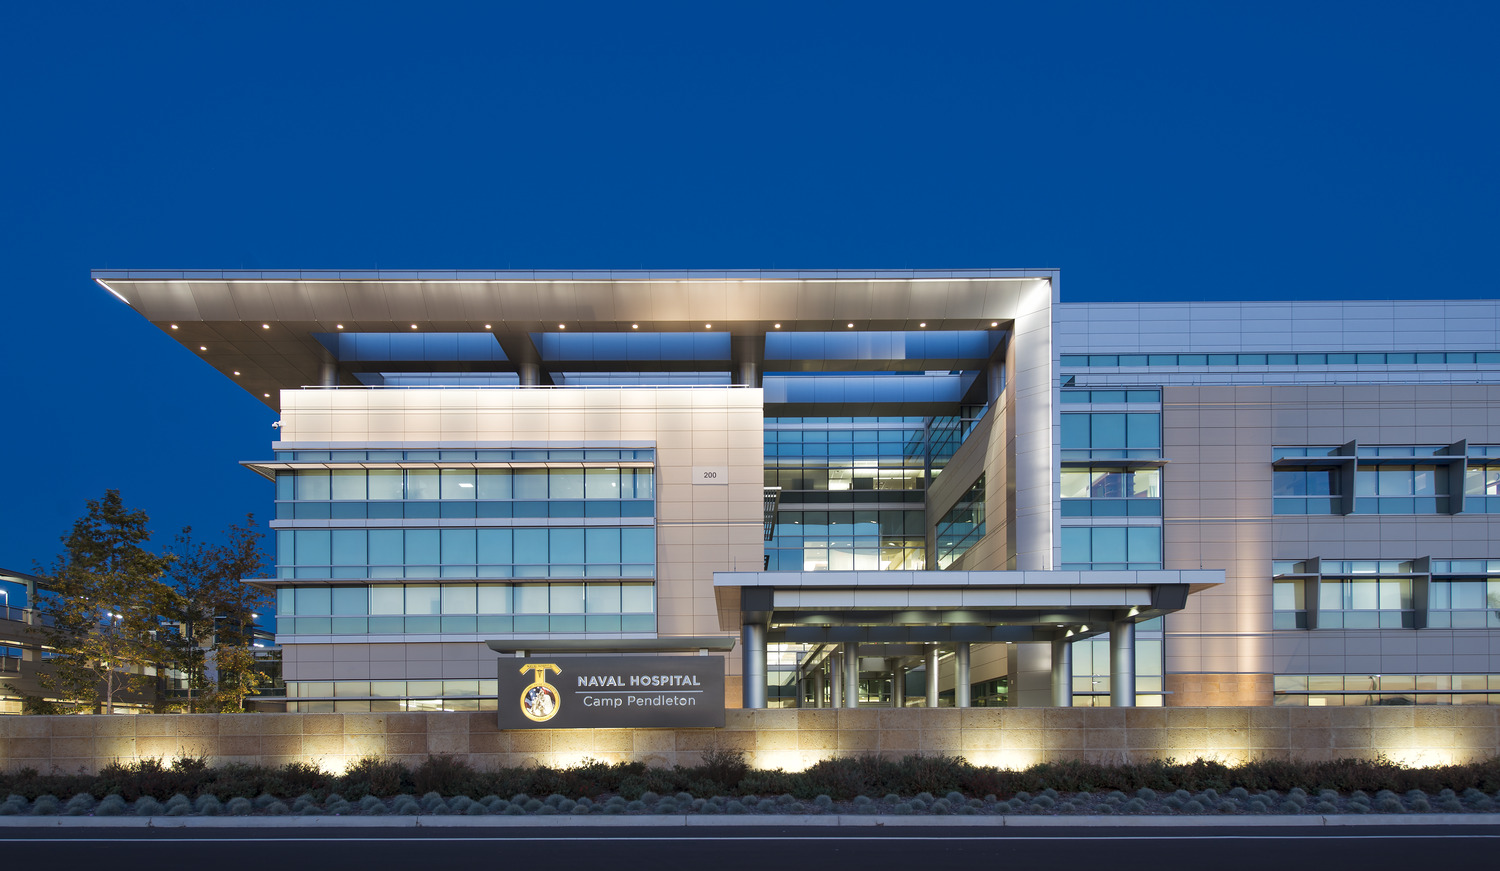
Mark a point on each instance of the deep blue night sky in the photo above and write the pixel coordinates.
(1150, 151)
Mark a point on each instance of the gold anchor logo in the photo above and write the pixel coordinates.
(540, 700)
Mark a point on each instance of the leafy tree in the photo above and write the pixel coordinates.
(106, 597)
(215, 612)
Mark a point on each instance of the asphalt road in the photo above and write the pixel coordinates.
(762, 849)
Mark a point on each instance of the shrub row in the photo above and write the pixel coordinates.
(1237, 801)
(726, 773)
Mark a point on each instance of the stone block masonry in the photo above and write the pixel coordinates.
(783, 738)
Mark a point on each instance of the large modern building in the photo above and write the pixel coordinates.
(895, 488)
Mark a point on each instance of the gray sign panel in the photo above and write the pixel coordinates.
(611, 692)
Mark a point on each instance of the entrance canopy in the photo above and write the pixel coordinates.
(948, 606)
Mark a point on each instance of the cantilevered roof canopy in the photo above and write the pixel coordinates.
(940, 606)
(262, 328)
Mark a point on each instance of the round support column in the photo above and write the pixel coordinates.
(961, 675)
(753, 647)
(932, 675)
(836, 680)
(851, 674)
(1062, 673)
(817, 687)
(531, 374)
(1122, 664)
(898, 684)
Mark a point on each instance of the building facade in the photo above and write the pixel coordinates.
(890, 488)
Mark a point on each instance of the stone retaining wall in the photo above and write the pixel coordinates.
(1008, 737)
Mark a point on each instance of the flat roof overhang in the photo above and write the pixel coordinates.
(581, 646)
(258, 326)
(939, 606)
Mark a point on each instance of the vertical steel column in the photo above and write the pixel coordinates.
(817, 687)
(898, 684)
(851, 674)
(932, 675)
(753, 645)
(961, 675)
(1122, 664)
(531, 374)
(836, 680)
(328, 373)
(1062, 673)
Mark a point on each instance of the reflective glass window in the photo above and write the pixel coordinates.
(385, 483)
(313, 600)
(493, 599)
(351, 600)
(565, 483)
(492, 484)
(387, 599)
(424, 599)
(457, 483)
(348, 484)
(530, 483)
(423, 484)
(310, 484)
(459, 599)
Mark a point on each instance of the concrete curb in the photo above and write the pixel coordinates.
(680, 821)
